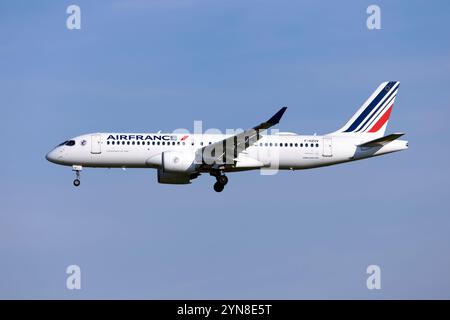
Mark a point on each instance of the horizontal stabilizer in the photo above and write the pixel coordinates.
(381, 141)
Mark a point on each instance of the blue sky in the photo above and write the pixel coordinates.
(159, 65)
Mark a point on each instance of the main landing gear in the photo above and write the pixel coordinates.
(221, 181)
(77, 170)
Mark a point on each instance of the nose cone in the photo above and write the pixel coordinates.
(52, 156)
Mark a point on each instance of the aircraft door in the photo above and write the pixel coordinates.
(327, 147)
(96, 143)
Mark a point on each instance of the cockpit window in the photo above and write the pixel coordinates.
(61, 144)
(70, 143)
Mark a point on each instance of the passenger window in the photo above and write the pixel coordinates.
(183, 143)
(158, 143)
(270, 144)
(266, 144)
(290, 145)
(306, 145)
(296, 144)
(107, 142)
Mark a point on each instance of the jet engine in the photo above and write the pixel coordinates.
(177, 168)
(178, 162)
(173, 177)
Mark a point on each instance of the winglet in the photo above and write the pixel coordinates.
(277, 116)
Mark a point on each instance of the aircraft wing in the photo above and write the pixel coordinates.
(381, 141)
(223, 153)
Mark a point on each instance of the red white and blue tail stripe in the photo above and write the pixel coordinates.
(374, 114)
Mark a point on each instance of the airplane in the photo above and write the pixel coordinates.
(180, 158)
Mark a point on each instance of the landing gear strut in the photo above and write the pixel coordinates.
(222, 180)
(77, 170)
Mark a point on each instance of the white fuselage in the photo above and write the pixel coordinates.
(281, 151)
(180, 158)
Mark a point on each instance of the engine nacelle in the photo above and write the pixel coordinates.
(173, 177)
(178, 162)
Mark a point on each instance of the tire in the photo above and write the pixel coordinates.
(76, 182)
(218, 187)
(223, 180)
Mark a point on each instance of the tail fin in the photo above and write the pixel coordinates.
(373, 115)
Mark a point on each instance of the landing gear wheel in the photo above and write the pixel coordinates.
(218, 187)
(222, 179)
(77, 170)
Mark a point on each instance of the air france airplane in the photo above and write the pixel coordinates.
(180, 158)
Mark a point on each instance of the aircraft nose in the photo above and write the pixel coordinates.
(51, 156)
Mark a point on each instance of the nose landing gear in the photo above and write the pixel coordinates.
(77, 170)
(221, 181)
